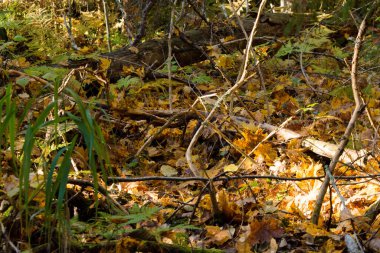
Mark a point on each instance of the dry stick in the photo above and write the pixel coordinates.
(241, 81)
(124, 18)
(101, 189)
(359, 106)
(259, 71)
(105, 9)
(192, 167)
(170, 55)
(198, 201)
(8, 240)
(240, 22)
(228, 140)
(266, 138)
(112, 180)
(333, 183)
(68, 28)
(141, 32)
(198, 12)
(153, 136)
(183, 204)
(307, 79)
(370, 118)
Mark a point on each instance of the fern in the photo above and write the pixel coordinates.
(138, 214)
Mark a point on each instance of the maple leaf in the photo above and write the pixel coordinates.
(226, 206)
(264, 231)
(266, 153)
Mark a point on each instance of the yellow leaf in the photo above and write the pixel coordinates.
(84, 50)
(104, 64)
(20, 62)
(314, 230)
(168, 171)
(226, 206)
(128, 69)
(265, 153)
(214, 51)
(133, 49)
(225, 61)
(212, 230)
(243, 247)
(231, 168)
(228, 38)
(206, 202)
(140, 72)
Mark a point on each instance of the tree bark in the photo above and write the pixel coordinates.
(153, 53)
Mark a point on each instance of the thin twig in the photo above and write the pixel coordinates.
(105, 10)
(100, 188)
(111, 180)
(144, 15)
(272, 133)
(4, 232)
(307, 79)
(359, 106)
(124, 18)
(153, 136)
(68, 28)
(170, 55)
(240, 82)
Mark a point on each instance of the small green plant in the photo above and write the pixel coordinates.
(138, 214)
(310, 39)
(7, 121)
(201, 79)
(128, 82)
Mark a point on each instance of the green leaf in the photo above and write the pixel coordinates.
(63, 173)
(128, 81)
(133, 164)
(23, 81)
(19, 38)
(342, 91)
(138, 214)
(48, 73)
(339, 53)
(285, 50)
(50, 76)
(201, 79)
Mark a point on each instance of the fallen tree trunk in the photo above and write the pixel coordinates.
(322, 148)
(153, 53)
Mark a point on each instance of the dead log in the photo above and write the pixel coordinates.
(152, 54)
(322, 148)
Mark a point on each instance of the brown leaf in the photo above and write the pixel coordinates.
(264, 231)
(374, 244)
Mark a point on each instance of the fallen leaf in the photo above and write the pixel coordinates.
(168, 171)
(231, 168)
(264, 231)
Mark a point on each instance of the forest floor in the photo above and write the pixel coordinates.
(256, 188)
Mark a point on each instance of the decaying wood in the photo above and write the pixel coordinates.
(322, 148)
(318, 147)
(153, 53)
